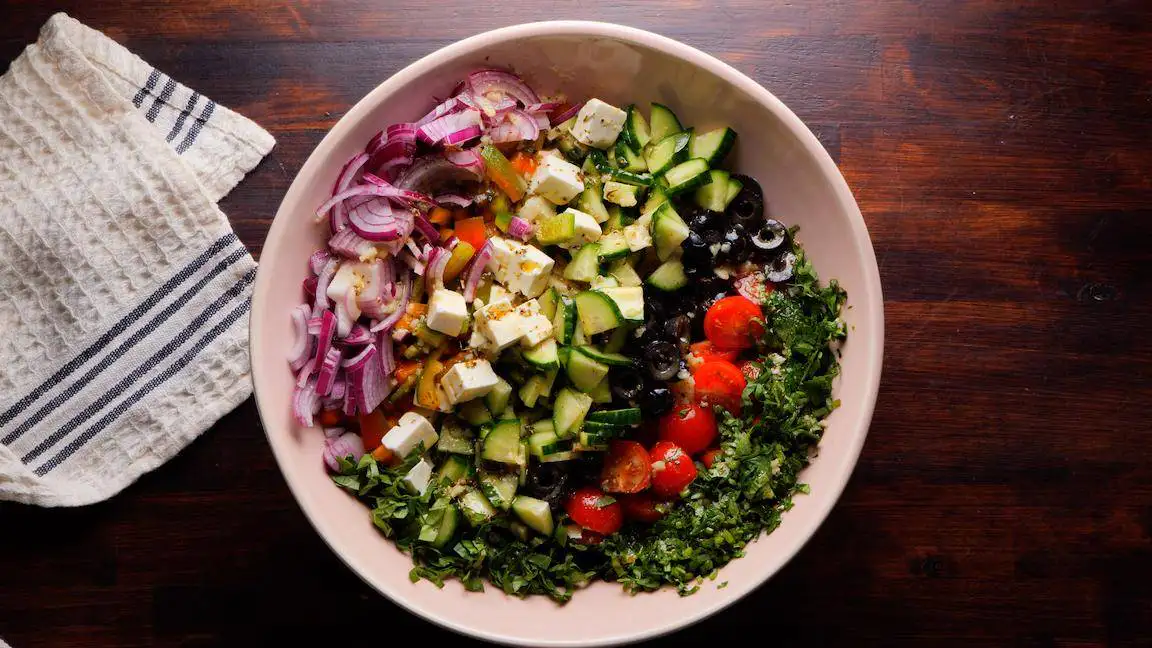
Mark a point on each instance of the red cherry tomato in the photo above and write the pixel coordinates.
(710, 456)
(641, 508)
(626, 468)
(690, 426)
(672, 469)
(592, 509)
(701, 352)
(733, 323)
(720, 383)
(751, 370)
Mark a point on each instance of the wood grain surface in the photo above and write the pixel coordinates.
(1001, 154)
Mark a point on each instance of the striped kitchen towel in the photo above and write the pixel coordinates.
(124, 293)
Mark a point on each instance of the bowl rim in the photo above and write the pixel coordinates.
(871, 288)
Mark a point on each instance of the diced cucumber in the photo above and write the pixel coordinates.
(668, 231)
(556, 229)
(497, 399)
(545, 443)
(455, 438)
(560, 456)
(624, 273)
(606, 357)
(734, 187)
(499, 488)
(579, 338)
(625, 195)
(626, 416)
(593, 441)
(475, 507)
(603, 429)
(597, 312)
(687, 176)
(618, 218)
(602, 392)
(667, 153)
(585, 372)
(569, 411)
(714, 195)
(627, 177)
(604, 281)
(589, 202)
(563, 353)
(543, 355)
(656, 197)
(612, 246)
(627, 158)
(439, 523)
(669, 276)
(530, 392)
(635, 132)
(454, 468)
(712, 146)
(600, 161)
(662, 122)
(475, 412)
(617, 340)
(548, 302)
(572, 148)
(585, 263)
(543, 425)
(564, 322)
(629, 301)
(534, 512)
(502, 445)
(638, 234)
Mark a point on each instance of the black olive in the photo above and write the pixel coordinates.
(656, 400)
(709, 285)
(747, 208)
(780, 268)
(771, 236)
(681, 302)
(549, 481)
(696, 253)
(678, 328)
(734, 249)
(702, 220)
(627, 384)
(662, 359)
(655, 309)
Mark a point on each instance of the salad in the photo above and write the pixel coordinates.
(552, 342)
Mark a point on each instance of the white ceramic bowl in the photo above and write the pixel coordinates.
(620, 65)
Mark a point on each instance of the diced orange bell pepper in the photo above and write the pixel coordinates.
(440, 216)
(471, 231)
(524, 163)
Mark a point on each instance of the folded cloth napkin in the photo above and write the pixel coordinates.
(124, 293)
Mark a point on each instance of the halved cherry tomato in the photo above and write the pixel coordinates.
(592, 509)
(710, 456)
(720, 383)
(373, 426)
(750, 369)
(524, 163)
(472, 231)
(701, 352)
(672, 469)
(690, 426)
(733, 323)
(626, 468)
(640, 507)
(330, 418)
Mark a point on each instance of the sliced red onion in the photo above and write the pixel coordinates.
(333, 432)
(301, 351)
(318, 260)
(324, 279)
(452, 129)
(387, 353)
(415, 264)
(449, 106)
(347, 446)
(378, 140)
(379, 290)
(373, 219)
(329, 368)
(325, 333)
(427, 229)
(397, 151)
(374, 187)
(366, 383)
(335, 398)
(517, 126)
(571, 112)
(337, 219)
(305, 403)
(412, 198)
(348, 244)
(434, 275)
(541, 121)
(435, 174)
(357, 336)
(310, 288)
(479, 263)
(403, 293)
(520, 228)
(545, 107)
(306, 372)
(469, 159)
(494, 112)
(493, 85)
(455, 200)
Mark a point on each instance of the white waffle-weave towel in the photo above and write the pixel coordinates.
(124, 293)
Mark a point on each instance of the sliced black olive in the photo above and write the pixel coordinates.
(662, 359)
(696, 253)
(702, 220)
(678, 328)
(656, 400)
(771, 236)
(655, 309)
(709, 285)
(747, 208)
(549, 481)
(734, 249)
(781, 268)
(627, 384)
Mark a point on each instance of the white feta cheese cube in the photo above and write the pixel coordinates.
(587, 229)
(477, 341)
(499, 324)
(520, 267)
(598, 124)
(556, 179)
(417, 478)
(468, 380)
(536, 208)
(620, 193)
(637, 235)
(409, 432)
(499, 294)
(447, 312)
(534, 326)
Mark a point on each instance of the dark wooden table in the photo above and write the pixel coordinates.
(1001, 154)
